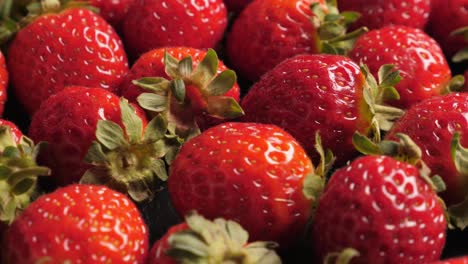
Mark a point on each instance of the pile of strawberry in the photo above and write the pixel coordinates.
(203, 131)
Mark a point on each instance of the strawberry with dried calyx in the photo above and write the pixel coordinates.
(199, 240)
(198, 93)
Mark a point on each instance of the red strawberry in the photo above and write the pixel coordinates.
(154, 23)
(225, 241)
(67, 121)
(432, 124)
(250, 173)
(310, 93)
(270, 31)
(382, 208)
(198, 98)
(236, 5)
(376, 13)
(15, 131)
(457, 260)
(113, 11)
(78, 224)
(3, 83)
(455, 11)
(72, 47)
(417, 56)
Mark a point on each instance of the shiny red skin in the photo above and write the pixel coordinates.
(382, 208)
(113, 11)
(455, 11)
(459, 260)
(15, 131)
(3, 83)
(310, 93)
(79, 224)
(421, 62)
(67, 121)
(151, 64)
(379, 13)
(154, 23)
(268, 32)
(250, 173)
(157, 253)
(74, 47)
(431, 124)
(236, 5)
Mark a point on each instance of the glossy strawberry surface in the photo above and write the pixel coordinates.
(15, 131)
(455, 11)
(459, 260)
(417, 56)
(154, 23)
(151, 64)
(382, 208)
(377, 13)
(79, 224)
(4, 77)
(157, 254)
(74, 47)
(67, 121)
(246, 172)
(268, 32)
(113, 11)
(432, 124)
(310, 93)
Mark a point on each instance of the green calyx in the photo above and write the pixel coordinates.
(459, 155)
(376, 93)
(343, 257)
(190, 92)
(131, 159)
(461, 55)
(405, 150)
(332, 26)
(218, 241)
(18, 174)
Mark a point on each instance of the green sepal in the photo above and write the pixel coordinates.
(224, 107)
(185, 67)
(171, 65)
(178, 89)
(343, 257)
(459, 154)
(313, 186)
(132, 123)
(218, 241)
(206, 70)
(222, 83)
(156, 129)
(327, 159)
(458, 214)
(157, 85)
(153, 102)
(365, 145)
(461, 55)
(456, 84)
(110, 134)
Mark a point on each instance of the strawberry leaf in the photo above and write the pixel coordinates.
(178, 89)
(224, 107)
(171, 65)
(459, 154)
(154, 84)
(185, 67)
(222, 83)
(155, 129)
(153, 102)
(132, 122)
(206, 69)
(110, 134)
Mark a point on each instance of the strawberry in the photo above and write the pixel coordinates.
(384, 209)
(68, 121)
(457, 260)
(113, 11)
(223, 241)
(270, 31)
(432, 124)
(417, 56)
(310, 93)
(154, 23)
(377, 14)
(3, 83)
(250, 173)
(78, 224)
(199, 99)
(456, 12)
(14, 130)
(72, 47)
(236, 6)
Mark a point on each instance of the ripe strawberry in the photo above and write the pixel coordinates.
(457, 260)
(198, 98)
(78, 224)
(432, 124)
(3, 83)
(236, 6)
(377, 14)
(223, 241)
(67, 121)
(417, 56)
(270, 31)
(250, 173)
(310, 93)
(154, 23)
(72, 47)
(382, 208)
(113, 11)
(456, 12)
